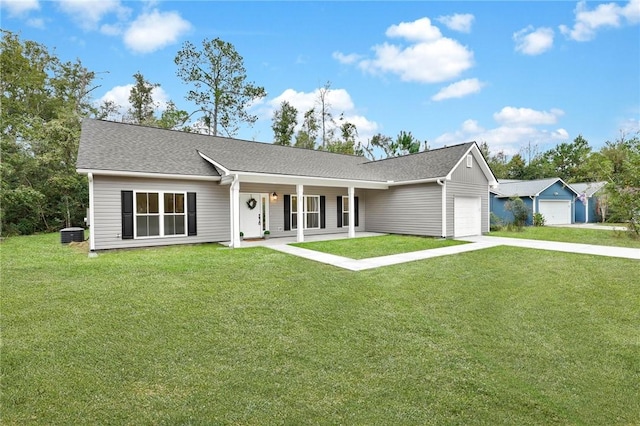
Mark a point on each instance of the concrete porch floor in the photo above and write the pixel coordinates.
(276, 241)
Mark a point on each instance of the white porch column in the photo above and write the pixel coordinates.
(443, 184)
(352, 215)
(91, 218)
(234, 199)
(301, 215)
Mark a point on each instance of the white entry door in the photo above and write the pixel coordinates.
(252, 214)
(467, 216)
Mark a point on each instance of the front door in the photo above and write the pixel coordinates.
(251, 215)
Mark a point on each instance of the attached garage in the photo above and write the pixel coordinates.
(467, 215)
(555, 212)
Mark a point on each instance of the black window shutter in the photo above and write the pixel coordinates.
(355, 210)
(127, 214)
(191, 214)
(339, 203)
(323, 202)
(287, 212)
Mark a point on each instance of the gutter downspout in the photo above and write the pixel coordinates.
(442, 183)
(92, 237)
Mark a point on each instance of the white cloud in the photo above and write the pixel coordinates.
(155, 30)
(120, 96)
(526, 116)
(517, 127)
(533, 42)
(19, 7)
(588, 22)
(632, 11)
(89, 13)
(458, 22)
(340, 103)
(420, 30)
(346, 59)
(432, 59)
(36, 23)
(459, 89)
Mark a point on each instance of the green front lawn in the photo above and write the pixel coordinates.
(208, 335)
(356, 248)
(573, 235)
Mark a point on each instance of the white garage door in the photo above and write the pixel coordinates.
(555, 212)
(467, 216)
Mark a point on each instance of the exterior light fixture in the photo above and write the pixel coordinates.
(274, 196)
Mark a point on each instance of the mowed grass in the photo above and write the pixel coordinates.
(382, 245)
(207, 335)
(574, 235)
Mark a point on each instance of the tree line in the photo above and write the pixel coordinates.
(44, 100)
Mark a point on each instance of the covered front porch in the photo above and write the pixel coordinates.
(293, 210)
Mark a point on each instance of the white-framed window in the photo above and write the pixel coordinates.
(174, 213)
(159, 214)
(345, 211)
(469, 160)
(311, 213)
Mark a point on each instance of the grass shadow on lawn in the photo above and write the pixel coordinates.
(201, 335)
(383, 245)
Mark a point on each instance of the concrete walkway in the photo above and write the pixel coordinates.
(377, 262)
(623, 252)
(476, 243)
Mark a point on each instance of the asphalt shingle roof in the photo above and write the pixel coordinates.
(588, 188)
(523, 188)
(123, 147)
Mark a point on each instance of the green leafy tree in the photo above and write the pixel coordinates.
(142, 110)
(404, 143)
(567, 159)
(219, 85)
(540, 168)
(624, 187)
(515, 168)
(173, 118)
(346, 144)
(308, 133)
(498, 164)
(283, 123)
(43, 101)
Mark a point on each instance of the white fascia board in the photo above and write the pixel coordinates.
(118, 173)
(252, 177)
(215, 163)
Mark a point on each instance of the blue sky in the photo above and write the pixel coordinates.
(506, 73)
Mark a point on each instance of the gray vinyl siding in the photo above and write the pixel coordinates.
(467, 182)
(410, 209)
(212, 207)
(276, 207)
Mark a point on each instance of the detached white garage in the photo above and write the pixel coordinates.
(467, 214)
(555, 212)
